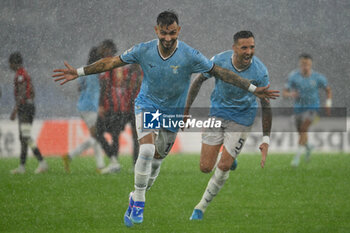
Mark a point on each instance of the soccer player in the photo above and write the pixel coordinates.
(236, 108)
(89, 88)
(109, 117)
(303, 86)
(167, 64)
(25, 109)
(119, 88)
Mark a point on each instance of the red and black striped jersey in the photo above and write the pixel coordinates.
(120, 87)
(23, 88)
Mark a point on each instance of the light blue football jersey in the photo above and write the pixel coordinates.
(166, 81)
(307, 87)
(89, 93)
(233, 103)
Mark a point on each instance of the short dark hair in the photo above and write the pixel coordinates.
(242, 34)
(93, 55)
(109, 44)
(16, 58)
(305, 56)
(167, 18)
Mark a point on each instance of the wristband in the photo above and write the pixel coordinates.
(329, 103)
(80, 71)
(251, 88)
(266, 139)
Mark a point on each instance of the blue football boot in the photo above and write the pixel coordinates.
(197, 215)
(137, 212)
(127, 219)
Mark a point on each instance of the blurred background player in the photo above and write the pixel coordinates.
(119, 89)
(167, 65)
(236, 108)
(129, 83)
(109, 112)
(25, 109)
(303, 86)
(89, 88)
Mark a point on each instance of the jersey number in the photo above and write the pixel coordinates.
(238, 148)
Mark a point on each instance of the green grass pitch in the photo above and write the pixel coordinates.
(315, 197)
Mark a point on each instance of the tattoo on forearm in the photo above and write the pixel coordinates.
(194, 89)
(231, 77)
(266, 118)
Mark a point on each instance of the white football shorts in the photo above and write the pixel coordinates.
(231, 134)
(89, 118)
(164, 140)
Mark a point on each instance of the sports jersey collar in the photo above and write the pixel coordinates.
(240, 70)
(166, 58)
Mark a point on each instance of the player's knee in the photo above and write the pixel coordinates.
(205, 168)
(224, 166)
(147, 150)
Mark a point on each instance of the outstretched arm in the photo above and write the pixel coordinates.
(69, 74)
(266, 125)
(232, 78)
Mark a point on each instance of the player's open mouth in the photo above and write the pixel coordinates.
(247, 59)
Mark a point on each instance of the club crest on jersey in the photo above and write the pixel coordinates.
(175, 69)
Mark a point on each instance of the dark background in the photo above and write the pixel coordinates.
(49, 32)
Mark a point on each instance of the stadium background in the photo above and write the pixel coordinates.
(49, 32)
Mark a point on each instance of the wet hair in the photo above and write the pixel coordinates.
(242, 35)
(16, 58)
(167, 18)
(305, 56)
(93, 55)
(109, 44)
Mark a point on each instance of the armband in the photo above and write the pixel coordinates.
(266, 139)
(80, 71)
(329, 103)
(251, 88)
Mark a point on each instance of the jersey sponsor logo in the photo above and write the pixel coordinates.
(151, 66)
(175, 69)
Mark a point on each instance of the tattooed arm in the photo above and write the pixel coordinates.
(193, 92)
(230, 77)
(105, 64)
(266, 126)
(234, 79)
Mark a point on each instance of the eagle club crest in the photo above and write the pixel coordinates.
(175, 69)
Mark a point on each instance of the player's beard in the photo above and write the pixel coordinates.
(168, 45)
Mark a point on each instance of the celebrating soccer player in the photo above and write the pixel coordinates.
(236, 109)
(167, 64)
(303, 86)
